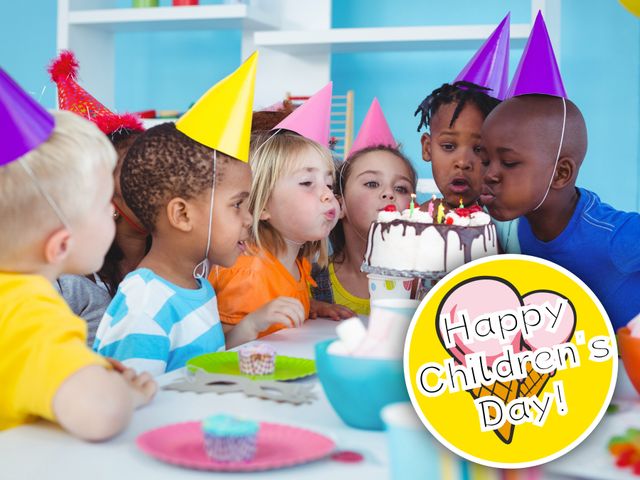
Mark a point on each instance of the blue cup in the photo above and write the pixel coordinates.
(359, 388)
(413, 452)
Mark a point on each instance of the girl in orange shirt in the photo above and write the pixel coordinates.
(294, 209)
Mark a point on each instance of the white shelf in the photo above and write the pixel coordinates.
(202, 17)
(152, 122)
(384, 38)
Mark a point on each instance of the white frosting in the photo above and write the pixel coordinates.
(479, 219)
(437, 248)
(457, 219)
(384, 216)
(418, 216)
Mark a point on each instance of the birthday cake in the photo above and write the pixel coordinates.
(429, 240)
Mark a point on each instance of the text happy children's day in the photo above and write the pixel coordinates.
(513, 363)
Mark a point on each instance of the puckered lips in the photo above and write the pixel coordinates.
(487, 196)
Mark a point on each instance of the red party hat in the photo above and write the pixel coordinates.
(74, 98)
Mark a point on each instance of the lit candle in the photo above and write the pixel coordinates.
(461, 204)
(440, 213)
(412, 204)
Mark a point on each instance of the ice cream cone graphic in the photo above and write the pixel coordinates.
(476, 300)
(533, 384)
(506, 391)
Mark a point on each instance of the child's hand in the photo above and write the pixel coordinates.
(329, 310)
(286, 310)
(143, 385)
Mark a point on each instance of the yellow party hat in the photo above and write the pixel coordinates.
(221, 119)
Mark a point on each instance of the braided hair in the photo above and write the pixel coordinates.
(460, 93)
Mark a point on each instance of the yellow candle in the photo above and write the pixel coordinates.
(440, 213)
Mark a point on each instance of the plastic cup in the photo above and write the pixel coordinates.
(383, 286)
(413, 452)
(388, 325)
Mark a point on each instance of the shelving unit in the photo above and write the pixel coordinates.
(292, 35)
(340, 40)
(204, 17)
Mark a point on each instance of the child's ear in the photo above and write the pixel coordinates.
(425, 140)
(565, 174)
(58, 246)
(341, 203)
(265, 215)
(179, 214)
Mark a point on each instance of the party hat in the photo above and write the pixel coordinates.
(537, 72)
(74, 98)
(312, 119)
(221, 118)
(489, 67)
(23, 122)
(374, 130)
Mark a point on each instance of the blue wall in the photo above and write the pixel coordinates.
(608, 94)
(170, 70)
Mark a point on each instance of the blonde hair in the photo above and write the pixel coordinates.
(272, 157)
(65, 168)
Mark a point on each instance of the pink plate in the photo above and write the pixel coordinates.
(278, 446)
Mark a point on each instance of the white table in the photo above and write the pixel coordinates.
(44, 451)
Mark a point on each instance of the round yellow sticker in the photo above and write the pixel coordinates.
(510, 361)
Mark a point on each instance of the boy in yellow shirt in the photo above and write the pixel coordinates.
(56, 186)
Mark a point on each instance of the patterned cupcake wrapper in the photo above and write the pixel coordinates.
(230, 449)
(252, 366)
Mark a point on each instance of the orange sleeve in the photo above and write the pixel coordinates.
(241, 289)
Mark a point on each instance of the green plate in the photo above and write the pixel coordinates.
(287, 368)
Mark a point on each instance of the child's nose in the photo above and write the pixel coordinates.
(387, 196)
(464, 161)
(490, 175)
(327, 194)
(248, 220)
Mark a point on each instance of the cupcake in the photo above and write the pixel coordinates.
(229, 439)
(257, 359)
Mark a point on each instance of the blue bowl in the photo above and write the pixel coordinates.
(359, 388)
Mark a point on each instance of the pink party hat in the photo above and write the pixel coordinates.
(538, 71)
(312, 119)
(489, 67)
(23, 122)
(374, 130)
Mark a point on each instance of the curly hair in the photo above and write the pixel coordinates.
(162, 164)
(265, 120)
(460, 93)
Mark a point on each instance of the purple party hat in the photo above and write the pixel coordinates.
(24, 124)
(489, 67)
(538, 71)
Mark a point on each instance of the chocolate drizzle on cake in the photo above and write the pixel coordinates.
(466, 235)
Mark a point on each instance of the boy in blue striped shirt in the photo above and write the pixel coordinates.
(189, 186)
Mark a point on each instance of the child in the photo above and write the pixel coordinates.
(264, 120)
(164, 312)
(534, 144)
(294, 210)
(55, 196)
(375, 175)
(88, 296)
(454, 114)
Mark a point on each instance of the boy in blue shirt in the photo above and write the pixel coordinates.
(533, 146)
